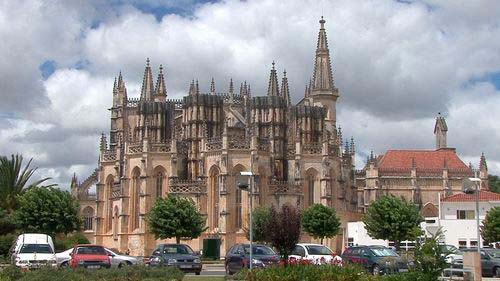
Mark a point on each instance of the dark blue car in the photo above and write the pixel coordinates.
(238, 257)
(375, 259)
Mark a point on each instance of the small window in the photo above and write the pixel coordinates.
(462, 244)
(473, 243)
(465, 215)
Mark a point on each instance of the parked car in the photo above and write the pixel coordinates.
(32, 250)
(490, 263)
(176, 255)
(238, 257)
(451, 253)
(315, 254)
(89, 256)
(63, 258)
(117, 260)
(375, 259)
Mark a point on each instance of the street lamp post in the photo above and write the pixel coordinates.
(477, 183)
(249, 187)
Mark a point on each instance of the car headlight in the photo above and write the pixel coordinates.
(81, 262)
(170, 261)
(197, 260)
(256, 261)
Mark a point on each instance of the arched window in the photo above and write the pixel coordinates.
(135, 201)
(115, 223)
(109, 203)
(310, 189)
(88, 219)
(159, 185)
(238, 222)
(213, 207)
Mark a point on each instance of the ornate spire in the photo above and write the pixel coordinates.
(440, 130)
(212, 87)
(352, 148)
(115, 89)
(191, 88)
(482, 163)
(244, 89)
(285, 91)
(161, 89)
(272, 89)
(197, 87)
(231, 86)
(147, 83)
(322, 77)
(104, 143)
(74, 181)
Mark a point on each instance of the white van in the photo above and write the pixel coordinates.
(33, 250)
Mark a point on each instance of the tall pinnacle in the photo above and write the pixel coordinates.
(322, 77)
(147, 83)
(212, 87)
(272, 89)
(285, 91)
(161, 89)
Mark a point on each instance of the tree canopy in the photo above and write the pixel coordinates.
(320, 221)
(494, 183)
(490, 230)
(175, 217)
(47, 210)
(283, 229)
(260, 216)
(14, 179)
(392, 218)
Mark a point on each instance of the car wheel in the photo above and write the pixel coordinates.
(376, 269)
(228, 272)
(64, 264)
(496, 272)
(197, 272)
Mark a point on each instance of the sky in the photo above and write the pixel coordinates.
(397, 64)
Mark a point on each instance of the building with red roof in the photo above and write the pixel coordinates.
(417, 175)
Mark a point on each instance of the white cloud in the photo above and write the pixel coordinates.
(396, 66)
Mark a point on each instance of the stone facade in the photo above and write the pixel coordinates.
(197, 146)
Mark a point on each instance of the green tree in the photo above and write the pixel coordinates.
(14, 179)
(47, 210)
(260, 216)
(320, 221)
(175, 217)
(392, 218)
(283, 229)
(490, 230)
(430, 257)
(494, 183)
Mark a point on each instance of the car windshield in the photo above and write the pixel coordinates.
(36, 248)
(383, 252)
(259, 250)
(450, 249)
(177, 249)
(318, 250)
(494, 253)
(90, 250)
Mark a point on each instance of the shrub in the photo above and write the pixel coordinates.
(131, 273)
(6, 242)
(70, 241)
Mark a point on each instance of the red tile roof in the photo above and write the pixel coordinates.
(484, 196)
(423, 159)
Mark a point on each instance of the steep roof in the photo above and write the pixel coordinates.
(422, 159)
(484, 196)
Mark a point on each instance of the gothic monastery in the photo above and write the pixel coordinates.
(197, 147)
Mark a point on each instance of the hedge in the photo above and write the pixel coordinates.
(129, 273)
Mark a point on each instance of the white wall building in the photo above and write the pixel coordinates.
(456, 217)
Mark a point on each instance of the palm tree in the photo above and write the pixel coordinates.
(14, 180)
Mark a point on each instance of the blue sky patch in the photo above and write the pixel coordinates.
(492, 77)
(182, 8)
(47, 68)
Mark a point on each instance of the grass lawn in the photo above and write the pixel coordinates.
(203, 277)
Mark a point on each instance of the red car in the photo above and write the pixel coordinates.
(89, 256)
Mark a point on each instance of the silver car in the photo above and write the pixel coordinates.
(117, 260)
